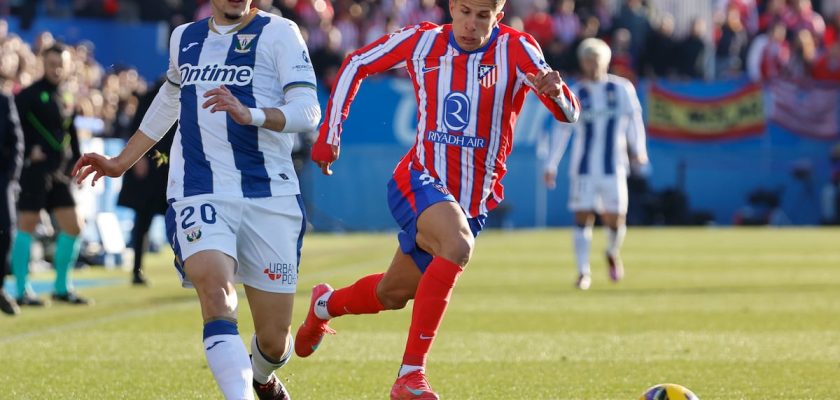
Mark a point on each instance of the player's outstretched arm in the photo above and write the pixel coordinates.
(99, 165)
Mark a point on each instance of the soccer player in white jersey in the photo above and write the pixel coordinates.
(240, 83)
(609, 141)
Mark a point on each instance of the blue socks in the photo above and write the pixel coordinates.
(20, 262)
(66, 254)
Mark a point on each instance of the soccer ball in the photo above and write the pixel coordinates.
(668, 391)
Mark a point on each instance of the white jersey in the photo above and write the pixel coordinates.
(259, 61)
(610, 124)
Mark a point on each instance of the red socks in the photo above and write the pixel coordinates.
(358, 298)
(430, 303)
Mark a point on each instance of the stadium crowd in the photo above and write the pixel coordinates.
(796, 39)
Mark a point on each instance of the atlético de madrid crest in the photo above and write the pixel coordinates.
(244, 42)
(487, 75)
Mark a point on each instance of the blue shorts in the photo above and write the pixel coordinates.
(411, 193)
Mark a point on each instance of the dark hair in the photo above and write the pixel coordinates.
(57, 48)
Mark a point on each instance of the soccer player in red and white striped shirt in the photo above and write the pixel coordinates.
(470, 79)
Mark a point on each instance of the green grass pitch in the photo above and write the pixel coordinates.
(729, 313)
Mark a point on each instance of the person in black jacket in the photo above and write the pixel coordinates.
(11, 156)
(144, 186)
(51, 148)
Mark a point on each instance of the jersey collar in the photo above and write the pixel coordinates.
(245, 21)
(454, 43)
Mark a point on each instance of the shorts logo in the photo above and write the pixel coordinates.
(456, 111)
(193, 235)
(487, 75)
(283, 272)
(440, 188)
(244, 43)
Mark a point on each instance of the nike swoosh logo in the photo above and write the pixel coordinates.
(424, 337)
(414, 391)
(189, 46)
(429, 69)
(214, 344)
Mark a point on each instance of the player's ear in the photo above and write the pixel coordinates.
(499, 16)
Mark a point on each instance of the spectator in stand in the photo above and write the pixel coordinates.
(566, 23)
(748, 10)
(327, 59)
(803, 56)
(634, 18)
(827, 66)
(774, 10)
(661, 47)
(622, 61)
(692, 51)
(539, 23)
(832, 30)
(566, 59)
(732, 42)
(776, 53)
(801, 15)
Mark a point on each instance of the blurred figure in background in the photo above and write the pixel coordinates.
(831, 190)
(610, 129)
(11, 159)
(144, 187)
(51, 148)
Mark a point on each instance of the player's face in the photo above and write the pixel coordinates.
(55, 66)
(592, 66)
(230, 10)
(473, 22)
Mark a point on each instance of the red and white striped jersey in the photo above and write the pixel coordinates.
(468, 103)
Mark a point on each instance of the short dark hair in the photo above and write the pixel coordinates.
(57, 48)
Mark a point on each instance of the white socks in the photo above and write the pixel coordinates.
(405, 369)
(615, 238)
(583, 242)
(262, 365)
(321, 306)
(228, 359)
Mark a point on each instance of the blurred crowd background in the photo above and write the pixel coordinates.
(673, 39)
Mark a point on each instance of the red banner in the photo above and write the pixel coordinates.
(730, 116)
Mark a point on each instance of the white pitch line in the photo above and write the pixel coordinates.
(74, 326)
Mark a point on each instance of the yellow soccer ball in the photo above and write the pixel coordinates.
(668, 391)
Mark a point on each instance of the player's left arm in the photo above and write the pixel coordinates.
(532, 69)
(301, 111)
(636, 137)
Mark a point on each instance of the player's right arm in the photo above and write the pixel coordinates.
(388, 52)
(162, 113)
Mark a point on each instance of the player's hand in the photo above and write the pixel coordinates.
(550, 179)
(37, 155)
(221, 99)
(97, 164)
(546, 83)
(324, 155)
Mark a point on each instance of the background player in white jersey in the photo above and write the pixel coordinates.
(609, 141)
(237, 82)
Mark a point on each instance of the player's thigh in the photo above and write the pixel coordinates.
(443, 228)
(613, 192)
(270, 239)
(583, 195)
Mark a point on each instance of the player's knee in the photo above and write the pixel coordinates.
(459, 250)
(395, 298)
(217, 301)
(275, 345)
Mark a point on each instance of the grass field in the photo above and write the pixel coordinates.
(729, 313)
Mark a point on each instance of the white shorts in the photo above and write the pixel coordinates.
(263, 235)
(600, 194)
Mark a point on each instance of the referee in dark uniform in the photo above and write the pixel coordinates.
(11, 159)
(51, 148)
